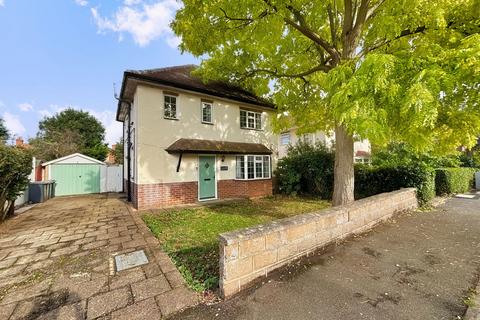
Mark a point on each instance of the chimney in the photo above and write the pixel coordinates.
(19, 142)
(114, 146)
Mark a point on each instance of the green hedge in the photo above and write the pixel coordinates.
(371, 180)
(453, 180)
(309, 170)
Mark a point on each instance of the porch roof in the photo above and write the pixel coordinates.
(214, 146)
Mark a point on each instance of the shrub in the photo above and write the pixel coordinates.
(15, 166)
(307, 169)
(371, 180)
(453, 180)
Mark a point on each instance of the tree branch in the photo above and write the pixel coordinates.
(285, 75)
(246, 21)
(360, 17)
(404, 33)
(333, 29)
(348, 17)
(303, 27)
(373, 10)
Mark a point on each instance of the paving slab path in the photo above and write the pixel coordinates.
(57, 262)
(419, 265)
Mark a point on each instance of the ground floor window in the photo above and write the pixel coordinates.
(251, 167)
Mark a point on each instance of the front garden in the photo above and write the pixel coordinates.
(305, 178)
(190, 236)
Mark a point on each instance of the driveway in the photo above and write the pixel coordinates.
(417, 266)
(57, 262)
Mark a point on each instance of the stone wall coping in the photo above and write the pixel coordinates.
(233, 237)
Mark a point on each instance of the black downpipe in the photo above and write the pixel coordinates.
(129, 146)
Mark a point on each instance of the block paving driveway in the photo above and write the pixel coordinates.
(56, 262)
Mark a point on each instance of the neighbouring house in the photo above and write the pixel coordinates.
(361, 148)
(111, 155)
(187, 141)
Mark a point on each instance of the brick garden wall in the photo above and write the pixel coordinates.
(250, 253)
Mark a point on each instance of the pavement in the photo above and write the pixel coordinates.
(57, 262)
(419, 265)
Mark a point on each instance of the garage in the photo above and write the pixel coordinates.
(75, 174)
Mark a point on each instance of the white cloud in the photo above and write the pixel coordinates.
(25, 107)
(82, 3)
(144, 22)
(132, 2)
(13, 124)
(113, 128)
(2, 3)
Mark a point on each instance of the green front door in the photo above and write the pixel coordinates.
(206, 174)
(75, 178)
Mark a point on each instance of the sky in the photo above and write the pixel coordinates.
(58, 54)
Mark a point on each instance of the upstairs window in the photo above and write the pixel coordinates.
(285, 138)
(250, 120)
(307, 138)
(252, 167)
(207, 112)
(170, 107)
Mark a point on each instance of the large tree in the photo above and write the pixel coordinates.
(118, 151)
(68, 132)
(385, 70)
(3, 132)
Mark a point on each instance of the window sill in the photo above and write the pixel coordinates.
(209, 123)
(243, 128)
(167, 118)
(256, 179)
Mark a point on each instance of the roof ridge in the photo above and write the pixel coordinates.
(183, 66)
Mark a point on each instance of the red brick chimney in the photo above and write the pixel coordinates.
(19, 142)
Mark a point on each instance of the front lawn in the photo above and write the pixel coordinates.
(190, 236)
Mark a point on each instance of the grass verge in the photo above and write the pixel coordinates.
(190, 236)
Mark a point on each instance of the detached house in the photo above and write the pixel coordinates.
(187, 141)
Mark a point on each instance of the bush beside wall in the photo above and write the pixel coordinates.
(371, 180)
(454, 180)
(306, 170)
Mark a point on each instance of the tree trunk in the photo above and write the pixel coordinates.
(343, 183)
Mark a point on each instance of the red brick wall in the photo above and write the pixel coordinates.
(145, 196)
(164, 194)
(244, 188)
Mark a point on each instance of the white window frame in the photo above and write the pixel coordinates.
(253, 116)
(257, 159)
(205, 103)
(283, 136)
(165, 96)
